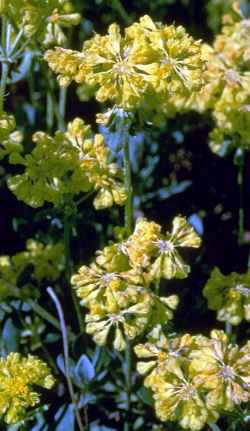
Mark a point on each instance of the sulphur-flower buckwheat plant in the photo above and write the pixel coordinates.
(17, 375)
(104, 220)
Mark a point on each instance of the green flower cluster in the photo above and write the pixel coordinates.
(195, 379)
(10, 138)
(229, 295)
(17, 376)
(46, 262)
(64, 165)
(116, 287)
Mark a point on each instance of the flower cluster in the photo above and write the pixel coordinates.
(228, 82)
(195, 379)
(147, 60)
(116, 287)
(17, 376)
(43, 19)
(46, 262)
(10, 138)
(65, 165)
(229, 295)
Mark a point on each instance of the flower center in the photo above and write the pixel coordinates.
(227, 373)
(242, 289)
(109, 277)
(122, 68)
(188, 392)
(165, 246)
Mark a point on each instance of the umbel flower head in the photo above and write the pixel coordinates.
(148, 247)
(229, 295)
(121, 304)
(65, 165)
(228, 81)
(42, 20)
(128, 69)
(194, 379)
(223, 370)
(161, 352)
(179, 397)
(116, 287)
(17, 376)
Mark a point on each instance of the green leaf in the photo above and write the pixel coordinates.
(84, 371)
(66, 418)
(10, 336)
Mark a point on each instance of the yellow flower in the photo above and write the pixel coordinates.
(126, 315)
(168, 263)
(52, 171)
(227, 85)
(151, 67)
(17, 375)
(67, 64)
(148, 248)
(179, 398)
(161, 352)
(62, 166)
(229, 295)
(140, 246)
(95, 284)
(106, 178)
(223, 370)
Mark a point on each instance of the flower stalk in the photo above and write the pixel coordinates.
(129, 230)
(66, 355)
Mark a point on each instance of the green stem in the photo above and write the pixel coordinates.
(66, 355)
(67, 235)
(128, 186)
(214, 427)
(228, 328)
(241, 209)
(49, 111)
(128, 378)
(62, 108)
(5, 64)
(129, 229)
(4, 78)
